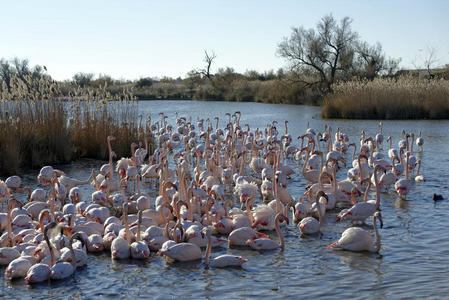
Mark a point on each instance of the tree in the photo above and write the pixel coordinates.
(371, 62)
(6, 72)
(144, 82)
(430, 60)
(83, 79)
(320, 54)
(332, 52)
(208, 59)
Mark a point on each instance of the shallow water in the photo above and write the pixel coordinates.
(413, 261)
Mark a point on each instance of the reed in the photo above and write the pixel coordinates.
(404, 97)
(40, 126)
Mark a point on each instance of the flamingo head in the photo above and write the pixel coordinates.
(378, 215)
(349, 213)
(243, 197)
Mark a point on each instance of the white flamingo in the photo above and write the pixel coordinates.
(357, 239)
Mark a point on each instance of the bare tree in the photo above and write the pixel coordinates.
(371, 61)
(430, 61)
(332, 51)
(320, 54)
(208, 59)
(427, 60)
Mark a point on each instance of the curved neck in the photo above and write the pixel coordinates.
(367, 191)
(50, 248)
(43, 215)
(360, 168)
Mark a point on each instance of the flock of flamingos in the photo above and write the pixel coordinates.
(216, 186)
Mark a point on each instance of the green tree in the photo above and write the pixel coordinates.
(83, 79)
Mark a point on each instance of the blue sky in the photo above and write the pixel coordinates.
(136, 38)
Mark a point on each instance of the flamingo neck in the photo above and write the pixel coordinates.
(377, 235)
(318, 207)
(128, 238)
(376, 182)
(304, 167)
(353, 153)
(138, 227)
(406, 166)
(278, 230)
(208, 249)
(72, 254)
(248, 212)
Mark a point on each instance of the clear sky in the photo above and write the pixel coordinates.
(136, 38)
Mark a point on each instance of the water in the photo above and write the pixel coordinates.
(413, 261)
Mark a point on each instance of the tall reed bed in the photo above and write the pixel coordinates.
(389, 98)
(50, 130)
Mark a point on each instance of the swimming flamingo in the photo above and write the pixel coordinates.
(267, 243)
(310, 225)
(419, 177)
(222, 261)
(358, 239)
(41, 272)
(120, 248)
(139, 249)
(362, 210)
(403, 185)
(420, 141)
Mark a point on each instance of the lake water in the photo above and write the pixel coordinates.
(413, 261)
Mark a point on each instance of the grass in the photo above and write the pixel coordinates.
(404, 97)
(47, 130)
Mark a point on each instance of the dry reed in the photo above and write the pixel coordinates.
(38, 126)
(404, 97)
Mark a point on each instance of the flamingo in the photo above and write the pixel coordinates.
(63, 269)
(420, 141)
(403, 185)
(357, 239)
(267, 243)
(41, 272)
(362, 210)
(19, 267)
(310, 225)
(139, 249)
(419, 177)
(222, 261)
(183, 252)
(120, 248)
